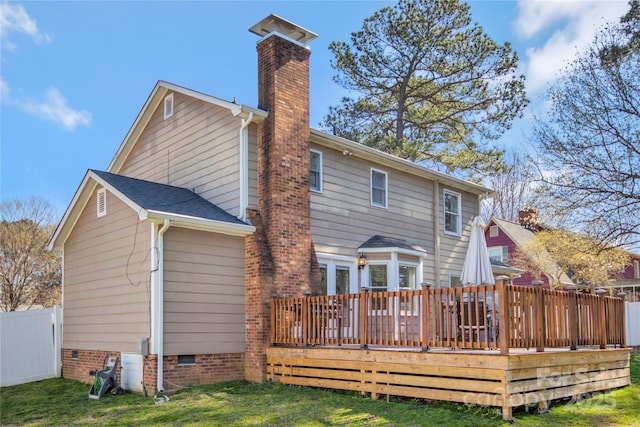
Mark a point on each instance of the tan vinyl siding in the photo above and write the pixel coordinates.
(203, 293)
(342, 215)
(106, 279)
(196, 148)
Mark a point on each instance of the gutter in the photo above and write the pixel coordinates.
(194, 223)
(244, 167)
(159, 329)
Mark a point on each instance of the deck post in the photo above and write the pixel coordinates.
(622, 322)
(274, 325)
(507, 413)
(306, 325)
(503, 324)
(540, 327)
(602, 317)
(426, 318)
(362, 325)
(573, 317)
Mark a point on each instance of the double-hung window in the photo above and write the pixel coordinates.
(499, 253)
(407, 276)
(452, 211)
(315, 172)
(378, 188)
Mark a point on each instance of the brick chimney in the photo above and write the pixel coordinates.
(280, 256)
(528, 218)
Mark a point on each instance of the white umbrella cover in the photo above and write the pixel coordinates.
(476, 269)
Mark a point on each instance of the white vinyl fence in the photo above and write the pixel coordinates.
(30, 345)
(633, 323)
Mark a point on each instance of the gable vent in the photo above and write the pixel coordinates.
(101, 202)
(493, 231)
(168, 106)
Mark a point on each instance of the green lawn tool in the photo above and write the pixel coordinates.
(105, 379)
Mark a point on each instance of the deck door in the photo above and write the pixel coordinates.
(339, 277)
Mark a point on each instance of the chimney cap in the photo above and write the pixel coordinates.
(275, 24)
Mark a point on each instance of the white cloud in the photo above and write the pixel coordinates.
(55, 108)
(14, 18)
(565, 27)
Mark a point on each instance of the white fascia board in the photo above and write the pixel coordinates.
(235, 109)
(389, 249)
(150, 105)
(77, 205)
(194, 223)
(379, 157)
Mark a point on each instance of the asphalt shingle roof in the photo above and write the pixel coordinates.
(378, 241)
(167, 198)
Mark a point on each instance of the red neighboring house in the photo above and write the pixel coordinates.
(503, 237)
(628, 281)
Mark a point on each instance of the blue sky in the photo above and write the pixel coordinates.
(74, 74)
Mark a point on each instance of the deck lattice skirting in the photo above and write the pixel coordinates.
(479, 378)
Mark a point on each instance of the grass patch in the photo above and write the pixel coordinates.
(65, 402)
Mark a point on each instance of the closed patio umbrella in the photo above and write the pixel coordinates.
(476, 269)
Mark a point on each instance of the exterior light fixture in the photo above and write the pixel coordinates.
(362, 261)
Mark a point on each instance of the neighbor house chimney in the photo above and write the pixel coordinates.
(280, 255)
(528, 218)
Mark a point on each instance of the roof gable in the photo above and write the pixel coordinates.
(152, 196)
(152, 202)
(154, 101)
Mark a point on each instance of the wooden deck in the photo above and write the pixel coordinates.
(472, 377)
(496, 345)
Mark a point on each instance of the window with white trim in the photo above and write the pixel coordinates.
(315, 172)
(378, 282)
(408, 277)
(452, 213)
(338, 275)
(378, 188)
(324, 284)
(636, 269)
(101, 202)
(168, 106)
(499, 253)
(493, 231)
(455, 281)
(378, 277)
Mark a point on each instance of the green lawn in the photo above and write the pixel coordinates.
(65, 402)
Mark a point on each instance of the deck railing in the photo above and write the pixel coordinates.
(479, 317)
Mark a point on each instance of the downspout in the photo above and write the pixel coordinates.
(160, 299)
(436, 233)
(244, 167)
